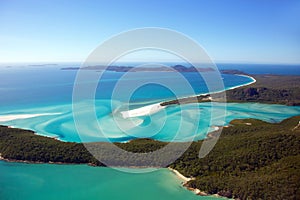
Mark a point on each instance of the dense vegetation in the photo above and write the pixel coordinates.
(18, 144)
(199, 98)
(257, 161)
(269, 89)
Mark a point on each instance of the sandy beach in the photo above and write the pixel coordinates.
(185, 180)
(142, 111)
(154, 108)
(177, 173)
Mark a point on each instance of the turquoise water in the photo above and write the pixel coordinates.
(164, 125)
(29, 87)
(45, 94)
(49, 181)
(40, 99)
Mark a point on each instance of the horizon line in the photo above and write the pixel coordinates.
(217, 62)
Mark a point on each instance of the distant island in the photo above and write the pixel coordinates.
(42, 65)
(174, 68)
(178, 68)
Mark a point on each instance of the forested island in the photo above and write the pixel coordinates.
(175, 68)
(252, 159)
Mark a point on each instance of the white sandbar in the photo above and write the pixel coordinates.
(146, 110)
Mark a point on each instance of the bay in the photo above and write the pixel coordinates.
(51, 181)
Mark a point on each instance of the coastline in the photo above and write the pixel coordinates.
(142, 111)
(185, 180)
(196, 191)
(154, 108)
(181, 176)
(39, 162)
(225, 89)
(246, 84)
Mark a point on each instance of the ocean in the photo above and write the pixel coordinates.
(39, 98)
(44, 95)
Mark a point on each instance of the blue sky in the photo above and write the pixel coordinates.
(255, 31)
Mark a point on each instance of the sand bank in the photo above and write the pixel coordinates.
(142, 111)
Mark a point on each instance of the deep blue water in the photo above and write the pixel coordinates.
(277, 69)
(24, 86)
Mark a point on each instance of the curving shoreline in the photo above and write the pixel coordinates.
(246, 84)
(174, 171)
(154, 108)
(185, 180)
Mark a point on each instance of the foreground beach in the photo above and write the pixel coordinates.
(185, 181)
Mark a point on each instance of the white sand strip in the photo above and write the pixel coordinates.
(4, 118)
(146, 110)
(178, 174)
(150, 109)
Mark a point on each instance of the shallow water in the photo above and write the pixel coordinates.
(50, 181)
(40, 99)
(44, 95)
(172, 123)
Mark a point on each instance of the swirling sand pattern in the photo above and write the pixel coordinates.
(58, 122)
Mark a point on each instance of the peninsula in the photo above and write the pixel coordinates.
(272, 89)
